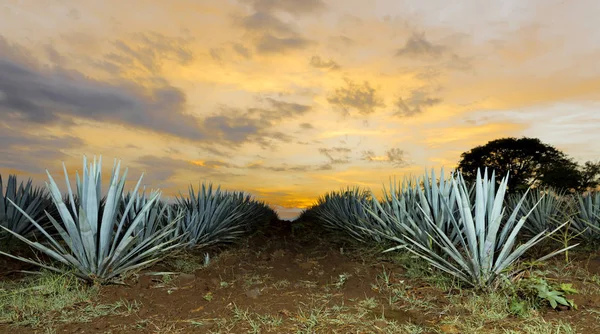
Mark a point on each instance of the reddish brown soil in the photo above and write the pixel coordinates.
(286, 274)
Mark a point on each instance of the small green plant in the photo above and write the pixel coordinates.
(534, 292)
(555, 296)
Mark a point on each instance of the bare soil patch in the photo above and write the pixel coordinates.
(298, 278)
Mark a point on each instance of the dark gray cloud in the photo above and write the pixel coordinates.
(236, 126)
(268, 43)
(28, 153)
(325, 167)
(54, 56)
(266, 23)
(417, 46)
(395, 156)
(278, 110)
(416, 103)
(296, 7)
(45, 95)
(363, 98)
(269, 34)
(51, 95)
(318, 62)
(336, 155)
(283, 168)
(41, 95)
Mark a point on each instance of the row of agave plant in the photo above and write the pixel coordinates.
(101, 237)
(470, 231)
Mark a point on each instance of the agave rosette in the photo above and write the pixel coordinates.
(33, 200)
(94, 242)
(344, 210)
(587, 220)
(477, 250)
(214, 216)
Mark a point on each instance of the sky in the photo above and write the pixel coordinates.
(289, 99)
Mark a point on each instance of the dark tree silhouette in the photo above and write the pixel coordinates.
(590, 175)
(528, 160)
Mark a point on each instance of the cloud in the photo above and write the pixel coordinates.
(43, 96)
(216, 54)
(31, 153)
(325, 167)
(336, 155)
(236, 126)
(242, 50)
(317, 62)
(160, 171)
(418, 100)
(266, 23)
(363, 98)
(280, 110)
(271, 44)
(306, 126)
(289, 6)
(395, 156)
(459, 63)
(46, 95)
(269, 34)
(283, 168)
(419, 47)
(147, 52)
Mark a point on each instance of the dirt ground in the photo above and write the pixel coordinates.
(297, 278)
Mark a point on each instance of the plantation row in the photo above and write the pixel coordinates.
(99, 238)
(473, 232)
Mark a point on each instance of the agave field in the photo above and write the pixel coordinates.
(433, 254)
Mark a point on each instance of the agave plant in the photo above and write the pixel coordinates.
(587, 220)
(549, 209)
(33, 200)
(404, 209)
(157, 218)
(344, 211)
(96, 244)
(214, 216)
(482, 250)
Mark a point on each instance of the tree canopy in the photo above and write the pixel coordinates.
(529, 162)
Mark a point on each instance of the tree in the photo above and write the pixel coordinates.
(590, 175)
(528, 160)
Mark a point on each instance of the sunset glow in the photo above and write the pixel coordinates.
(289, 99)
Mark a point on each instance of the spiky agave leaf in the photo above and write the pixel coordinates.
(417, 198)
(484, 250)
(587, 221)
(95, 242)
(549, 208)
(216, 217)
(33, 200)
(344, 210)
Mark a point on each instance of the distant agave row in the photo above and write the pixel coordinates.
(34, 200)
(100, 238)
(554, 207)
(461, 230)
